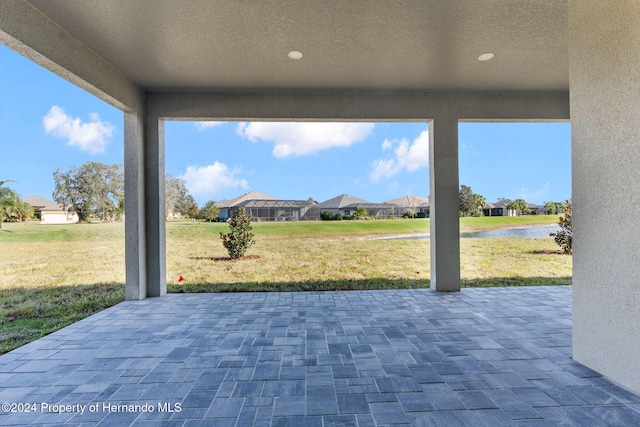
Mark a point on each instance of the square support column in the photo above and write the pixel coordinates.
(155, 219)
(134, 220)
(145, 248)
(444, 204)
(604, 54)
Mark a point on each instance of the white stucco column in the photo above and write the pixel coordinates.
(155, 225)
(604, 58)
(444, 204)
(134, 221)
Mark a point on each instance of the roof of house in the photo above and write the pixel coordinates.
(251, 195)
(43, 204)
(409, 202)
(502, 203)
(341, 201)
(275, 203)
(370, 206)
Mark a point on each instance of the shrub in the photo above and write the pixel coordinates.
(564, 237)
(330, 216)
(408, 214)
(240, 238)
(327, 216)
(360, 213)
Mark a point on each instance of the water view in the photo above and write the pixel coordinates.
(527, 232)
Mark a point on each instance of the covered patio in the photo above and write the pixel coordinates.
(499, 356)
(430, 61)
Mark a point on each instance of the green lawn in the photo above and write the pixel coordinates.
(56, 275)
(495, 222)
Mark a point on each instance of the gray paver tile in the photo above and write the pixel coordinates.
(397, 357)
(353, 404)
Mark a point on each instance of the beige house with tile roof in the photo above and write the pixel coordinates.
(49, 212)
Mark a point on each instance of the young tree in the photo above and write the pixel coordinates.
(240, 238)
(194, 212)
(92, 189)
(209, 211)
(564, 237)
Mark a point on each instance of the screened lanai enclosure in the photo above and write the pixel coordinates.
(276, 210)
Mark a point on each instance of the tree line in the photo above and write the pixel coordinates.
(472, 204)
(95, 190)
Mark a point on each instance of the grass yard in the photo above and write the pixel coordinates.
(53, 276)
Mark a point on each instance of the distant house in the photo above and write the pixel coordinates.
(414, 204)
(263, 207)
(49, 212)
(499, 208)
(536, 209)
(347, 205)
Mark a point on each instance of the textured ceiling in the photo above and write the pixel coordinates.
(356, 45)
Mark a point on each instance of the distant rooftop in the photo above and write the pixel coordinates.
(341, 201)
(40, 203)
(251, 195)
(409, 201)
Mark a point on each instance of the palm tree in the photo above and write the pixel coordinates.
(519, 205)
(9, 201)
(479, 201)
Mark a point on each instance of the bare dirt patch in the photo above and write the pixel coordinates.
(548, 252)
(228, 259)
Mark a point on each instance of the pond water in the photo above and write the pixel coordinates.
(527, 232)
(530, 232)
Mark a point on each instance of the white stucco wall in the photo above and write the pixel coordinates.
(605, 116)
(58, 217)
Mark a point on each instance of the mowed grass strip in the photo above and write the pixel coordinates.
(56, 275)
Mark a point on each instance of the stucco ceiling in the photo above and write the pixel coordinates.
(356, 45)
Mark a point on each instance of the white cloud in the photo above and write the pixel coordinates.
(535, 196)
(406, 156)
(300, 139)
(383, 168)
(212, 179)
(202, 126)
(387, 145)
(89, 136)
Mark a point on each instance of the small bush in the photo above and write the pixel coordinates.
(240, 238)
(327, 216)
(360, 213)
(564, 237)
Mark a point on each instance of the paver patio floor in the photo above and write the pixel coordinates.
(497, 356)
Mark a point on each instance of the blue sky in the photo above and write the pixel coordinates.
(48, 123)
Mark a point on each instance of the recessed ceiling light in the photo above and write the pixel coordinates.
(295, 54)
(486, 57)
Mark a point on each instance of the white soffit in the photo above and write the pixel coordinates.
(356, 45)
